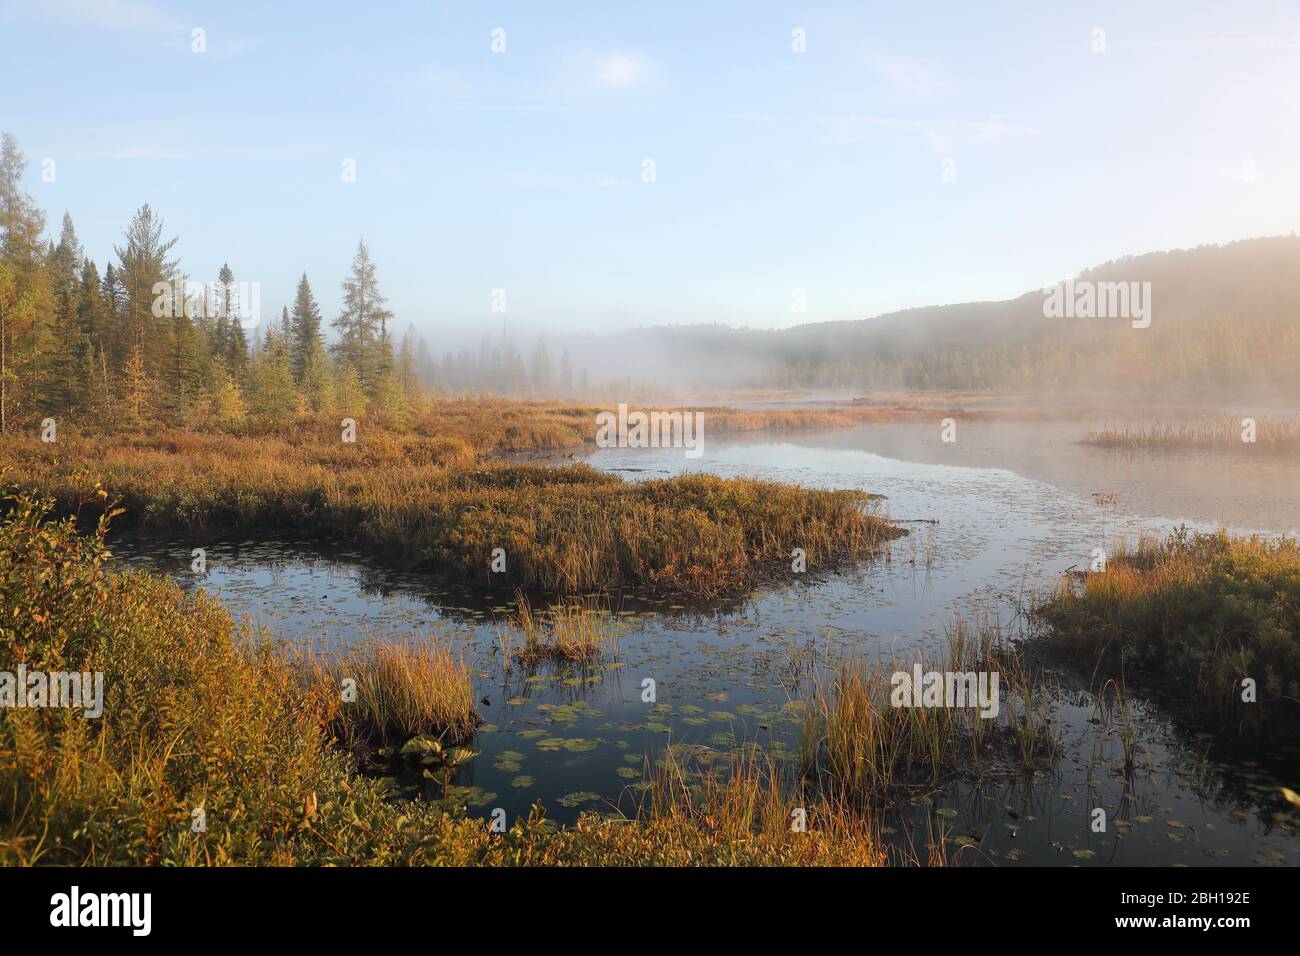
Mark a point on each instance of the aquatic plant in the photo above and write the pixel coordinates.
(1223, 433)
(858, 741)
(384, 692)
(566, 633)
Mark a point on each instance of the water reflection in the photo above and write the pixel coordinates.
(733, 673)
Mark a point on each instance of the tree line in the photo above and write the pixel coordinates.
(141, 342)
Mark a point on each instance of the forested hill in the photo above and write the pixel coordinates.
(1224, 319)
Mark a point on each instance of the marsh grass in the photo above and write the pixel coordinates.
(564, 633)
(742, 806)
(199, 714)
(1272, 436)
(426, 503)
(859, 746)
(1193, 615)
(1119, 710)
(401, 690)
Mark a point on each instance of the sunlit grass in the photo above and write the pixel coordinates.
(565, 633)
(856, 743)
(383, 692)
(432, 503)
(1196, 614)
(203, 720)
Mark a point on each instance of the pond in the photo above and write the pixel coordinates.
(990, 524)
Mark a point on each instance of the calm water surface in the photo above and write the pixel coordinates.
(983, 539)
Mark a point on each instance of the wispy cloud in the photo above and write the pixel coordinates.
(912, 79)
(121, 16)
(941, 135)
(1190, 44)
(621, 69)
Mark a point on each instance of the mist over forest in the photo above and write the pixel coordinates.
(1223, 324)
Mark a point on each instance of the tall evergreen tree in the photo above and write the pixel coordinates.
(306, 343)
(142, 263)
(406, 376)
(363, 344)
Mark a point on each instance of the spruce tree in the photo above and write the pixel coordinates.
(306, 344)
(142, 263)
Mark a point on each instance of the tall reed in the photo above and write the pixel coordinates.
(858, 743)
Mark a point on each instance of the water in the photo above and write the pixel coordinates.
(730, 674)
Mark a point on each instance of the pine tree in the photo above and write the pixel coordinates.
(26, 290)
(318, 385)
(8, 322)
(406, 376)
(183, 366)
(225, 406)
(349, 394)
(21, 221)
(306, 343)
(391, 403)
(230, 328)
(236, 350)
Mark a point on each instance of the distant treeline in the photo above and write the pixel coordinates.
(1224, 320)
(1221, 356)
(142, 341)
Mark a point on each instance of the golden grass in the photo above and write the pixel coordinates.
(1224, 433)
(858, 745)
(747, 807)
(566, 633)
(382, 692)
(1195, 614)
(424, 503)
(199, 715)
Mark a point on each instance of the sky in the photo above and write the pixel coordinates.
(615, 165)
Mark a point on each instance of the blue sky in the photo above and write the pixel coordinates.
(775, 171)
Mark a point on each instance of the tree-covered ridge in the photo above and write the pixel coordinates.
(1224, 325)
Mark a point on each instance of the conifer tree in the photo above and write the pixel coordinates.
(363, 344)
(143, 263)
(306, 344)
